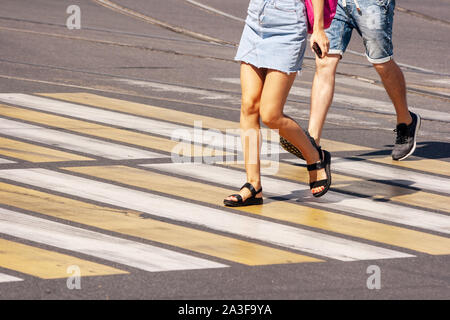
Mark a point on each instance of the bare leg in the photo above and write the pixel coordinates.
(322, 94)
(274, 95)
(394, 83)
(252, 82)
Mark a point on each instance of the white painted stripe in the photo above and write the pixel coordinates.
(5, 161)
(70, 141)
(358, 83)
(373, 171)
(332, 200)
(8, 278)
(167, 129)
(365, 104)
(417, 68)
(441, 81)
(221, 220)
(130, 253)
(151, 20)
(215, 10)
(164, 87)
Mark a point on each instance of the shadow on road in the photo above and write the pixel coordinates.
(386, 190)
(428, 150)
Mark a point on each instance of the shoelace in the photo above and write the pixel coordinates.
(344, 3)
(401, 136)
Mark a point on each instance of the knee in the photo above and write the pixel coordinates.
(327, 65)
(271, 119)
(384, 68)
(249, 106)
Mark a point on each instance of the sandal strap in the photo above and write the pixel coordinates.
(316, 166)
(319, 164)
(313, 142)
(319, 183)
(237, 196)
(250, 187)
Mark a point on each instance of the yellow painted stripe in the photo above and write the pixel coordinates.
(433, 166)
(428, 165)
(29, 152)
(132, 223)
(368, 189)
(175, 116)
(337, 146)
(280, 210)
(371, 189)
(47, 264)
(103, 131)
(143, 110)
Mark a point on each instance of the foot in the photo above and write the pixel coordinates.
(245, 193)
(405, 142)
(317, 175)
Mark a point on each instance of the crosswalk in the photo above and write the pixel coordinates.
(8, 278)
(90, 181)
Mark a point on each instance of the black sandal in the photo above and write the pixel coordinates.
(248, 202)
(324, 163)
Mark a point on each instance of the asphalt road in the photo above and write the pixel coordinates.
(88, 119)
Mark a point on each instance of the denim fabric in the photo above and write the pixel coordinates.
(274, 35)
(373, 22)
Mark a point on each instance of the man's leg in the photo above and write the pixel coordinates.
(322, 93)
(408, 123)
(394, 83)
(375, 28)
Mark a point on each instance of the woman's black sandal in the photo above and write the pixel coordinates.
(248, 202)
(324, 163)
(289, 147)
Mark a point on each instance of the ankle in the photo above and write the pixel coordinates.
(255, 183)
(317, 141)
(315, 136)
(406, 119)
(312, 158)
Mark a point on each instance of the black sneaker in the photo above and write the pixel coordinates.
(405, 143)
(289, 147)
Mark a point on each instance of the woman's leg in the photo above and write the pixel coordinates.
(252, 81)
(275, 92)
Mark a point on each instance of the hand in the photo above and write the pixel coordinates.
(320, 37)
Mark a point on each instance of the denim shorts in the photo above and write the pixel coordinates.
(274, 35)
(373, 22)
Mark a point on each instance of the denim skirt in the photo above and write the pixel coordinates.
(274, 35)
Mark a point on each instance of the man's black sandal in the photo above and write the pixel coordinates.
(248, 202)
(324, 163)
